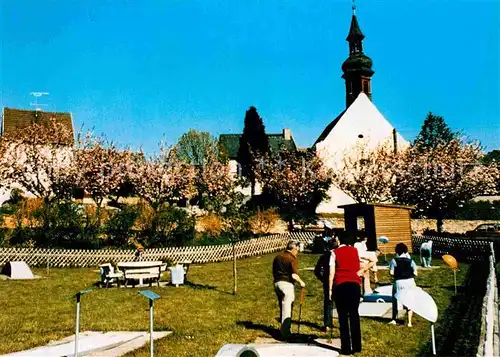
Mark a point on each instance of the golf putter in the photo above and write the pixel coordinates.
(331, 330)
(301, 301)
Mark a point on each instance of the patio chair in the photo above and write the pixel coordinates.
(109, 276)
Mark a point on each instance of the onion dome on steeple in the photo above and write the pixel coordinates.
(357, 67)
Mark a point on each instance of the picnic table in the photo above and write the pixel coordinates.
(140, 271)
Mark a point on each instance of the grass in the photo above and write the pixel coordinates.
(203, 315)
(464, 313)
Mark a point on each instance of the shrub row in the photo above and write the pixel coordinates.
(66, 224)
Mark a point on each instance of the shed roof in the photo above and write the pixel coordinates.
(375, 204)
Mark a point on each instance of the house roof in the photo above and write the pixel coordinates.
(17, 119)
(230, 143)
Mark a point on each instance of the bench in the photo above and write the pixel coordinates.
(142, 271)
(108, 275)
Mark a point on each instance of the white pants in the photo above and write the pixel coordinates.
(286, 295)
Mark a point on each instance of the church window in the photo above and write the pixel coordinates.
(360, 136)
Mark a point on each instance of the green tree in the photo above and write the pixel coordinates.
(253, 143)
(434, 132)
(492, 156)
(195, 147)
(212, 180)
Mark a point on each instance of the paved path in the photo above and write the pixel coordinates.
(93, 344)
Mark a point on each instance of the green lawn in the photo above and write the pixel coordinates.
(203, 315)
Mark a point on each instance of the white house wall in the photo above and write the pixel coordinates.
(63, 156)
(247, 190)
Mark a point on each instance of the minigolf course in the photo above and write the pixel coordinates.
(93, 344)
(275, 349)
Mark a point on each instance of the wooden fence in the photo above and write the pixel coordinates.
(470, 249)
(198, 254)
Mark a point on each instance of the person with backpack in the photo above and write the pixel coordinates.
(322, 272)
(404, 270)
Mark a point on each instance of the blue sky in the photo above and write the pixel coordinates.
(139, 71)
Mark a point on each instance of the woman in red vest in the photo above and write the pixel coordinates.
(345, 281)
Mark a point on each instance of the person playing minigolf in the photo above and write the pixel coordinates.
(404, 270)
(345, 281)
(285, 274)
(322, 272)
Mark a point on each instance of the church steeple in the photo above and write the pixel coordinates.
(357, 67)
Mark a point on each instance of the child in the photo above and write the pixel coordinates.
(404, 270)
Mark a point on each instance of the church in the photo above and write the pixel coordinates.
(359, 123)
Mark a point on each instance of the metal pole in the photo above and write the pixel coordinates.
(433, 340)
(151, 327)
(455, 278)
(77, 323)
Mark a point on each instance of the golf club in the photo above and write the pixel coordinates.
(301, 301)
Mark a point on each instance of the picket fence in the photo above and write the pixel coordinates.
(198, 254)
(462, 248)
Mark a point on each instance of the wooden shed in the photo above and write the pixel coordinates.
(379, 219)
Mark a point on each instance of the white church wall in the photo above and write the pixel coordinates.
(337, 198)
(363, 119)
(361, 125)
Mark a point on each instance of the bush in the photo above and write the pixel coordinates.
(59, 225)
(119, 226)
(8, 209)
(211, 225)
(263, 222)
(4, 241)
(64, 229)
(22, 237)
(170, 226)
(16, 196)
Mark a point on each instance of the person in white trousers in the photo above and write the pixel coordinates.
(285, 274)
